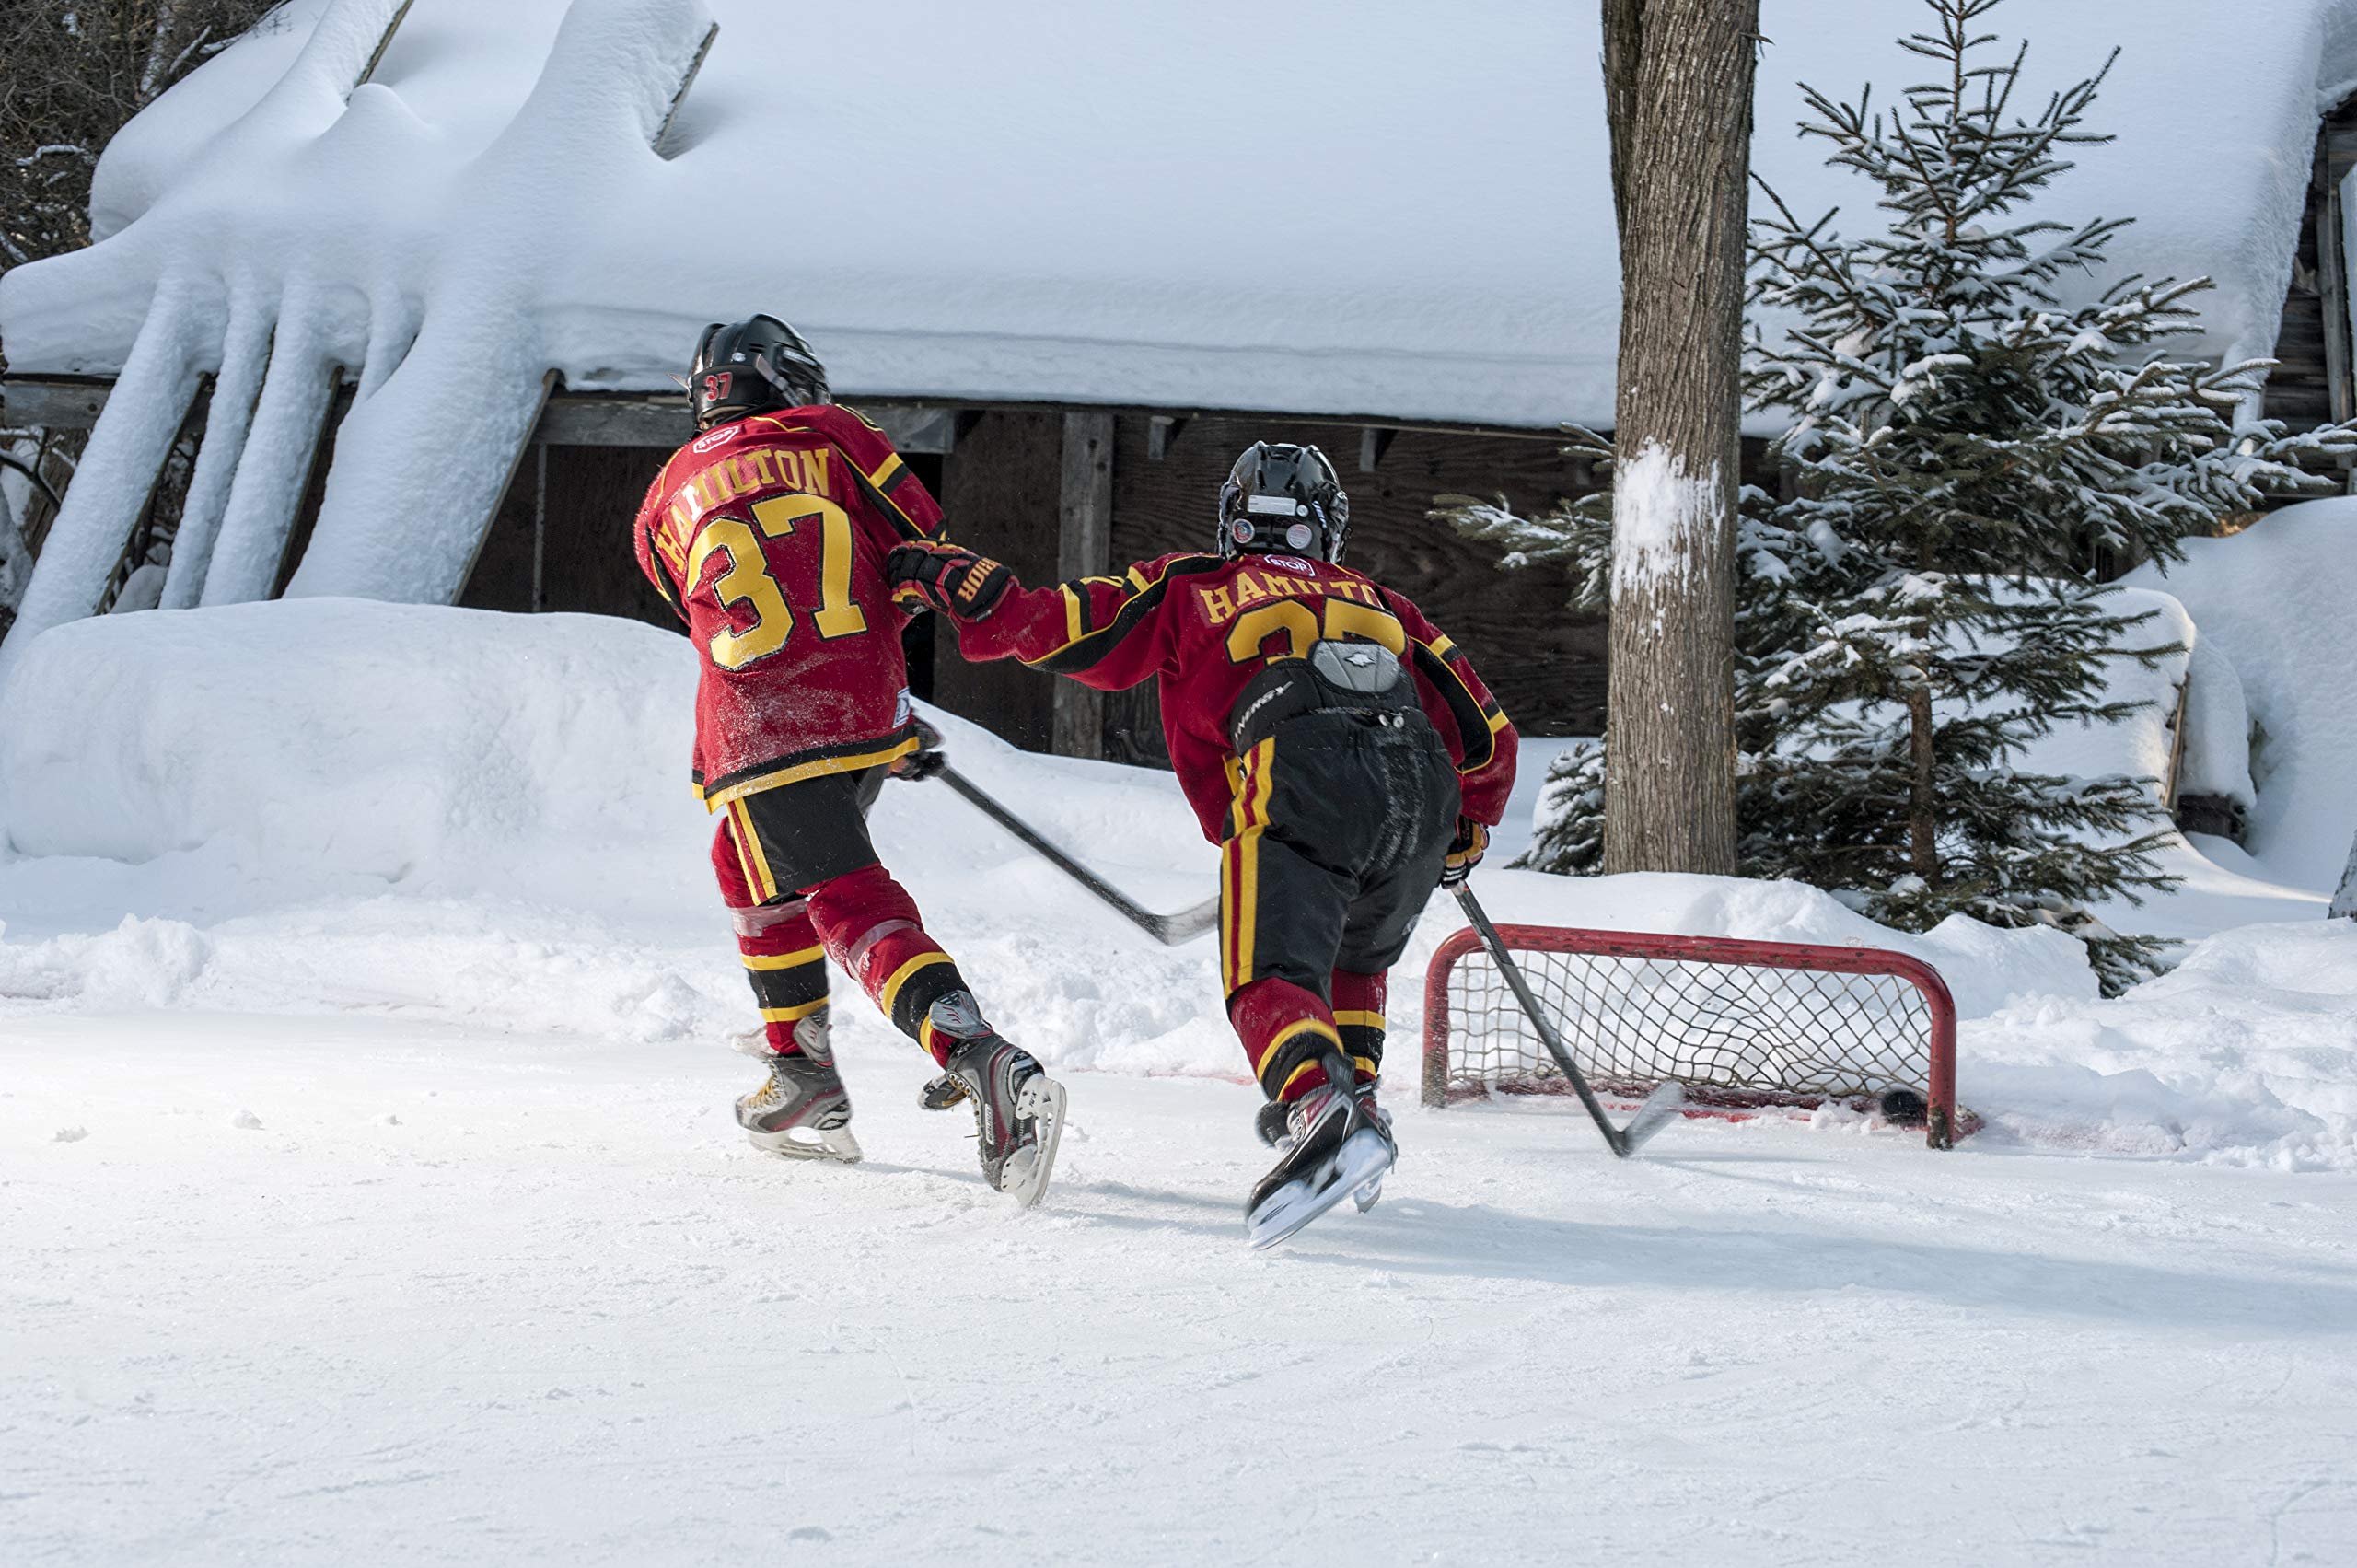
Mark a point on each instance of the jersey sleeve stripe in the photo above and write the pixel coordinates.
(1093, 643)
(902, 524)
(1474, 728)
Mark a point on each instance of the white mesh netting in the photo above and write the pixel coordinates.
(1737, 1032)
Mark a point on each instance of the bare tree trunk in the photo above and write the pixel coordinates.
(1678, 91)
(1923, 842)
(2344, 902)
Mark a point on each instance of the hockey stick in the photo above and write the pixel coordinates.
(1660, 1107)
(1170, 929)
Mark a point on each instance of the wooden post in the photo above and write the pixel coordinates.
(2332, 286)
(679, 94)
(384, 42)
(1084, 548)
(540, 526)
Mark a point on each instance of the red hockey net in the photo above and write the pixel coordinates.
(1740, 1024)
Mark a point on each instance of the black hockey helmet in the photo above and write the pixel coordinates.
(1282, 498)
(746, 366)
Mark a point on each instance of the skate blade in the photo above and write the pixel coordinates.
(839, 1145)
(1369, 1195)
(1024, 1177)
(1361, 1161)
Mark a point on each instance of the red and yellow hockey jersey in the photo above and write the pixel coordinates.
(768, 536)
(1206, 626)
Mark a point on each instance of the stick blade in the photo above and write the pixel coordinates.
(1187, 925)
(1661, 1108)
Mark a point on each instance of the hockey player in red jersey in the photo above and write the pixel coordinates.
(1334, 743)
(768, 535)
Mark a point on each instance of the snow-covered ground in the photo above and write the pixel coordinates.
(370, 1194)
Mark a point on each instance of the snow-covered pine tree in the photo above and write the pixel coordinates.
(1967, 446)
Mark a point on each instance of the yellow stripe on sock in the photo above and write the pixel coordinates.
(794, 961)
(885, 998)
(1298, 1027)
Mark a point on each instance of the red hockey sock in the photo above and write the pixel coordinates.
(787, 965)
(783, 958)
(871, 927)
(1285, 1029)
(1358, 1016)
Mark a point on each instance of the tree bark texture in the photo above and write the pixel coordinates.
(1922, 838)
(1677, 92)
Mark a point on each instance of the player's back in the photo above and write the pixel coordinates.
(773, 530)
(1233, 618)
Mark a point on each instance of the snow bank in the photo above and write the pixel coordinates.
(2141, 744)
(328, 806)
(2217, 728)
(439, 748)
(2246, 1053)
(2276, 600)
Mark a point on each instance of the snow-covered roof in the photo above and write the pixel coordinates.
(1348, 206)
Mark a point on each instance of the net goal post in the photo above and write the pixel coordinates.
(1742, 1025)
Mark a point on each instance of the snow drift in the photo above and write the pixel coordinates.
(439, 747)
(2275, 600)
(337, 805)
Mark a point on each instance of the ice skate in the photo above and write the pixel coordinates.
(1018, 1110)
(1276, 1132)
(1341, 1145)
(803, 1111)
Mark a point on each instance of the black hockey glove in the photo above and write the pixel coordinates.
(1465, 852)
(946, 577)
(926, 761)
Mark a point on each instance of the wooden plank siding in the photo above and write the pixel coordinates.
(1001, 488)
(2300, 389)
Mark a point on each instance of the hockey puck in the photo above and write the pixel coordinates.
(1903, 1105)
